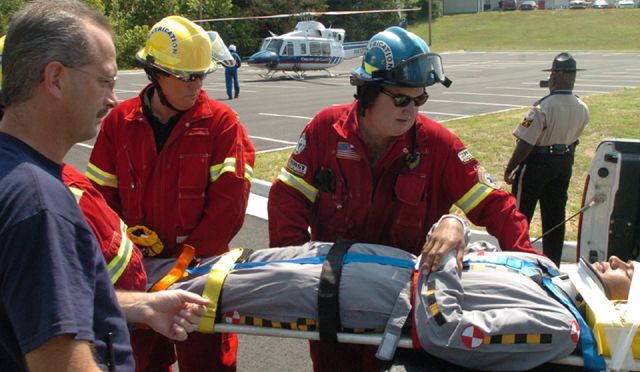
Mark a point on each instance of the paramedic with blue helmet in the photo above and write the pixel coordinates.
(378, 171)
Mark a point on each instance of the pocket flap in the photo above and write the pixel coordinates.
(409, 188)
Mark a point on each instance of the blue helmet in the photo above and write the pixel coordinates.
(398, 57)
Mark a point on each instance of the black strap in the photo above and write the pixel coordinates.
(328, 304)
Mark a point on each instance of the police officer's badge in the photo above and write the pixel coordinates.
(528, 119)
(302, 143)
(485, 178)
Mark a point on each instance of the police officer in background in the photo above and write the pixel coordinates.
(541, 164)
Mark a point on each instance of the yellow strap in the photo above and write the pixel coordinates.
(178, 270)
(213, 287)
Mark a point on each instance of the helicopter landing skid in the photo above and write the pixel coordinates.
(297, 75)
(268, 75)
(329, 73)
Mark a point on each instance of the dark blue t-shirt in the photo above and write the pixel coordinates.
(53, 278)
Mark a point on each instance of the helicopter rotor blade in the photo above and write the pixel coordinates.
(241, 18)
(347, 12)
(302, 14)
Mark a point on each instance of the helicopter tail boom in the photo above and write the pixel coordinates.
(354, 49)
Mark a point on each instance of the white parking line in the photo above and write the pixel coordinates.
(276, 86)
(539, 89)
(275, 149)
(273, 140)
(285, 116)
(595, 85)
(475, 103)
(491, 94)
(84, 145)
(441, 113)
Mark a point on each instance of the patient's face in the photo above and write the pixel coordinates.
(617, 275)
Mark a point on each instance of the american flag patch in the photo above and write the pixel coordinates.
(347, 151)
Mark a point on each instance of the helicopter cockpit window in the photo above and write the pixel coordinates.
(289, 49)
(274, 46)
(303, 48)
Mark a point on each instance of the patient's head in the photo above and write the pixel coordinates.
(616, 276)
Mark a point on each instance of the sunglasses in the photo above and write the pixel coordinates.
(186, 77)
(189, 77)
(402, 100)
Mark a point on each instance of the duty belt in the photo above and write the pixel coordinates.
(559, 149)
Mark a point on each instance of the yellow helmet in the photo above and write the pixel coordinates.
(179, 47)
(1, 52)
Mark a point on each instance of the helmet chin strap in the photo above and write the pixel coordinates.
(163, 98)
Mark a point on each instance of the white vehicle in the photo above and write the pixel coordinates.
(600, 4)
(577, 4)
(610, 222)
(625, 4)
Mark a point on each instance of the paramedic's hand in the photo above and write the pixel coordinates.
(172, 313)
(447, 236)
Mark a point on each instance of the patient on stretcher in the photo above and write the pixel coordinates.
(499, 313)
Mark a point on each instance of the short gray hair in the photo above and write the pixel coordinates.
(42, 32)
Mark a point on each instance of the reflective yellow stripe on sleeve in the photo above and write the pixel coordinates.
(101, 177)
(473, 197)
(213, 287)
(121, 260)
(248, 172)
(299, 184)
(229, 165)
(119, 263)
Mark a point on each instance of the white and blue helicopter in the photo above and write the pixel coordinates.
(310, 46)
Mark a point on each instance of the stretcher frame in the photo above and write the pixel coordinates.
(351, 338)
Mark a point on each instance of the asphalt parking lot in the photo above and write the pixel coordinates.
(274, 113)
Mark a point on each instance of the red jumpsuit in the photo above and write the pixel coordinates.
(329, 186)
(123, 258)
(194, 191)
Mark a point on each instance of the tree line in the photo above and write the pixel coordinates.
(132, 19)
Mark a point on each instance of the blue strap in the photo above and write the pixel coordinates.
(592, 360)
(317, 260)
(381, 260)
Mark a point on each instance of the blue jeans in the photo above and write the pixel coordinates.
(229, 76)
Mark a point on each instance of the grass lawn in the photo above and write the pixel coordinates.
(487, 137)
(566, 29)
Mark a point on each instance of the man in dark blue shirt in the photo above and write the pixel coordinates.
(58, 309)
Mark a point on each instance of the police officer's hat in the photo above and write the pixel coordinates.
(564, 62)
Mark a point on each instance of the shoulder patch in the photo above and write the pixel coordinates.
(297, 168)
(485, 178)
(302, 144)
(528, 119)
(465, 156)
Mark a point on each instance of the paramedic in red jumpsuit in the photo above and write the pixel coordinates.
(377, 171)
(179, 163)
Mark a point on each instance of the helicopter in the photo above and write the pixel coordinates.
(310, 46)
